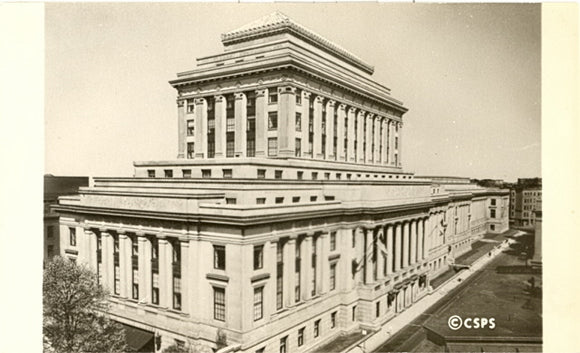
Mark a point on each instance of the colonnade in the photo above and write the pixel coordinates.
(305, 122)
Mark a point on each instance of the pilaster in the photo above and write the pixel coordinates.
(185, 275)
(108, 264)
(340, 116)
(144, 269)
(368, 255)
(351, 157)
(390, 252)
(317, 140)
(330, 130)
(124, 265)
(286, 121)
(325, 264)
(200, 128)
(262, 122)
(384, 141)
(181, 128)
(289, 271)
(413, 235)
(380, 254)
(377, 140)
(306, 268)
(421, 239)
(305, 123)
(398, 245)
(240, 111)
(369, 138)
(406, 244)
(360, 130)
(165, 273)
(220, 127)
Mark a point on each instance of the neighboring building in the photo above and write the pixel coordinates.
(537, 258)
(525, 200)
(287, 218)
(55, 186)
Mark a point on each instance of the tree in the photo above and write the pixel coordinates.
(73, 311)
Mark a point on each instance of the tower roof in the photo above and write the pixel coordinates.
(278, 22)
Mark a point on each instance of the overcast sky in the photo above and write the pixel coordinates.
(469, 74)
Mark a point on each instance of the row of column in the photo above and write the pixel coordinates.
(381, 135)
(394, 247)
(144, 268)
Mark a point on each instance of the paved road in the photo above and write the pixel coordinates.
(411, 335)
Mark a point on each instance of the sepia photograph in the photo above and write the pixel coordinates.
(292, 177)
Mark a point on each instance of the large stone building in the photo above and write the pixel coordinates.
(287, 218)
(525, 201)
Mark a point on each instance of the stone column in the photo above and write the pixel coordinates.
(240, 113)
(329, 130)
(341, 114)
(400, 149)
(286, 121)
(377, 140)
(181, 133)
(369, 138)
(220, 128)
(272, 266)
(413, 252)
(262, 122)
(195, 276)
(385, 141)
(345, 237)
(317, 140)
(289, 255)
(390, 250)
(305, 123)
(144, 269)
(306, 267)
(351, 136)
(392, 142)
(107, 258)
(368, 255)
(324, 263)
(406, 244)
(398, 242)
(200, 128)
(360, 131)
(185, 275)
(91, 249)
(165, 273)
(380, 254)
(421, 239)
(124, 264)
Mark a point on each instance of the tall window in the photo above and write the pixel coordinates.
(251, 127)
(298, 96)
(176, 263)
(353, 238)
(219, 257)
(301, 337)
(117, 268)
(230, 144)
(210, 128)
(279, 275)
(272, 146)
(492, 213)
(154, 271)
(190, 150)
(333, 276)
(298, 121)
(297, 270)
(99, 258)
(272, 120)
(258, 303)
(493, 202)
(190, 127)
(333, 241)
(258, 257)
(314, 240)
(72, 236)
(190, 106)
(316, 328)
(298, 147)
(333, 320)
(273, 95)
(219, 303)
(283, 344)
(377, 309)
(134, 267)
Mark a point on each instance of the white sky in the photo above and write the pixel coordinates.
(469, 74)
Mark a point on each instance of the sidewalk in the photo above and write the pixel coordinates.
(400, 321)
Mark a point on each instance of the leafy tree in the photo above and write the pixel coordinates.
(73, 306)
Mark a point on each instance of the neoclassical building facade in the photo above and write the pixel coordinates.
(287, 218)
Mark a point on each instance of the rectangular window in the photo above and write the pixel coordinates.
(314, 175)
(316, 328)
(295, 199)
(493, 202)
(155, 288)
(258, 303)
(377, 309)
(333, 276)
(206, 173)
(258, 256)
(261, 201)
(279, 276)
(219, 257)
(176, 292)
(219, 303)
(327, 176)
(261, 173)
(231, 201)
(228, 173)
(313, 198)
(272, 120)
(298, 96)
(72, 236)
(190, 150)
(278, 174)
(283, 343)
(211, 146)
(301, 337)
(230, 144)
(272, 146)
(492, 213)
(354, 313)
(300, 175)
(279, 200)
(186, 173)
(190, 106)
(190, 128)
(298, 147)
(168, 173)
(49, 231)
(333, 320)
(230, 125)
(273, 95)
(135, 286)
(298, 122)
(333, 241)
